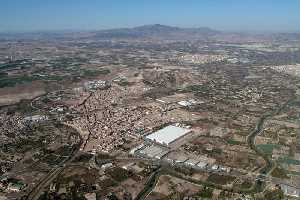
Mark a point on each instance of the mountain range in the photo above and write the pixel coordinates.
(156, 30)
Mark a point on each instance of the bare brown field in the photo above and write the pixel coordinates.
(15, 94)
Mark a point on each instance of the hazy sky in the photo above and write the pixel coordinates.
(29, 15)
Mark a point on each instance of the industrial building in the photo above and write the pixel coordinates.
(154, 151)
(167, 135)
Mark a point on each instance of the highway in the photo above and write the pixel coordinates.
(150, 185)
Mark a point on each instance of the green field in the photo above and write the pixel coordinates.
(92, 73)
(267, 148)
(233, 142)
(289, 161)
(12, 81)
(294, 173)
(295, 103)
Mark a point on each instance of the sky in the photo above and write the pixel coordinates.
(226, 15)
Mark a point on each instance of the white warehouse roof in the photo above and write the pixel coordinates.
(168, 134)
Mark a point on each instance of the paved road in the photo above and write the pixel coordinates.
(149, 186)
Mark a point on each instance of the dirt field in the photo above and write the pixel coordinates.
(168, 185)
(13, 95)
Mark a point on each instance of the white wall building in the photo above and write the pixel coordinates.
(168, 134)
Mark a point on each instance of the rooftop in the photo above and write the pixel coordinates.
(168, 134)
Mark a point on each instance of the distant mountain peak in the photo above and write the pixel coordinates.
(156, 27)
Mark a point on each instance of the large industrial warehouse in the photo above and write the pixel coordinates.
(168, 134)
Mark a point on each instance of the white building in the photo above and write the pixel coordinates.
(202, 165)
(290, 191)
(36, 118)
(191, 162)
(215, 167)
(167, 135)
(106, 166)
(187, 102)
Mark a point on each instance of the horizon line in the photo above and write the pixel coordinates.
(28, 31)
